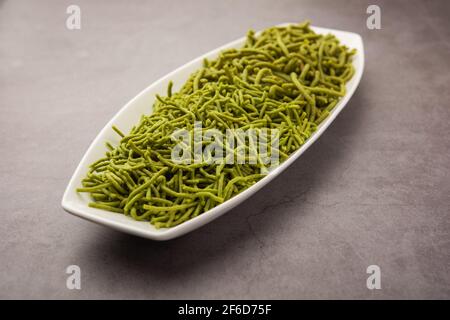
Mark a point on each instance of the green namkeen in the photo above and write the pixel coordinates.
(285, 78)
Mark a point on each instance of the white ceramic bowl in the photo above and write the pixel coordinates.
(129, 115)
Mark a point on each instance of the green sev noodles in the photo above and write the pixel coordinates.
(286, 78)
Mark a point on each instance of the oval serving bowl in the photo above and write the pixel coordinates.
(77, 203)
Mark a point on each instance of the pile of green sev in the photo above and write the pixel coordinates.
(285, 78)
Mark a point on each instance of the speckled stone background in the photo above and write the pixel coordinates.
(375, 188)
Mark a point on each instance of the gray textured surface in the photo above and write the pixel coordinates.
(373, 190)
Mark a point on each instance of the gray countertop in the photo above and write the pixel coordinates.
(373, 190)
